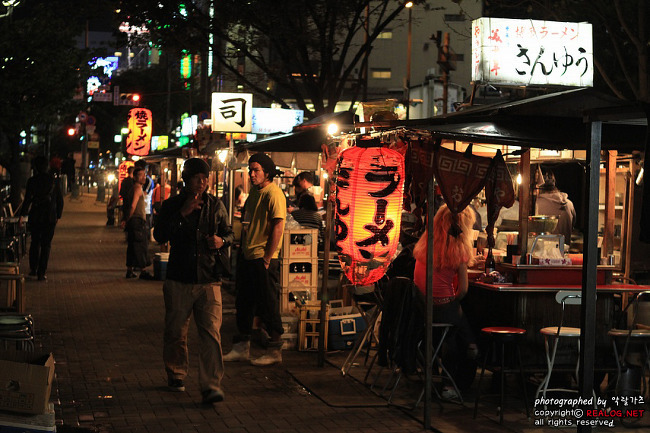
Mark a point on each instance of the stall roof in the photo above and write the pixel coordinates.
(308, 140)
(554, 121)
(306, 137)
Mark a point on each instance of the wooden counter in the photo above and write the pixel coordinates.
(549, 275)
(554, 288)
(533, 306)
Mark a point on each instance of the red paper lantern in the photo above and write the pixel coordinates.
(138, 142)
(369, 192)
(123, 172)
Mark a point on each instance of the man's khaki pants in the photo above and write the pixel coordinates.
(204, 300)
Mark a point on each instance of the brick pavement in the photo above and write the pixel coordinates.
(106, 335)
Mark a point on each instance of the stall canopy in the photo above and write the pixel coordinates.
(554, 121)
(306, 137)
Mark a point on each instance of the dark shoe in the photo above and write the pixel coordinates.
(212, 396)
(42, 277)
(175, 385)
(130, 274)
(144, 275)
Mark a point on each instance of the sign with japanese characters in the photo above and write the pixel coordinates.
(138, 141)
(530, 52)
(270, 120)
(232, 112)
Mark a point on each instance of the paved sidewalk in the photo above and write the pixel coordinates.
(106, 335)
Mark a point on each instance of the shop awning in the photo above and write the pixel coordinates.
(554, 121)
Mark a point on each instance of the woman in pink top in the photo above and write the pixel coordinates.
(451, 258)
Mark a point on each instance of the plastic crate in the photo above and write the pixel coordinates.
(300, 244)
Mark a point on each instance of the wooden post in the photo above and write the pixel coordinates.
(524, 202)
(326, 266)
(610, 203)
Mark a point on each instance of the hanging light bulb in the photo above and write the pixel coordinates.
(518, 178)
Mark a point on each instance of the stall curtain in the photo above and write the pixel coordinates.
(499, 192)
(460, 176)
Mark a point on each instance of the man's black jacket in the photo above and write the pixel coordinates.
(190, 259)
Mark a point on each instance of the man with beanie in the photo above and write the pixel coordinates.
(259, 291)
(196, 225)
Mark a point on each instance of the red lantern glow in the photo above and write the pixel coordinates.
(369, 192)
(138, 142)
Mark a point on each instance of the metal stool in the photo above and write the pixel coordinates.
(502, 336)
(639, 338)
(19, 329)
(442, 329)
(552, 335)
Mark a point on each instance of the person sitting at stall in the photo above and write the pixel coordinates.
(301, 184)
(551, 201)
(452, 257)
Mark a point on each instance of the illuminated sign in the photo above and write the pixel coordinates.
(138, 140)
(189, 125)
(270, 120)
(108, 64)
(159, 142)
(186, 66)
(232, 112)
(530, 52)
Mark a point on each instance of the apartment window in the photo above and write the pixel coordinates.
(386, 34)
(380, 73)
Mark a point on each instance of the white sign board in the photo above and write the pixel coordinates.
(232, 112)
(270, 120)
(530, 52)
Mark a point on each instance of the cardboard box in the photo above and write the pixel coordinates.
(345, 326)
(26, 381)
(300, 244)
(299, 274)
(26, 423)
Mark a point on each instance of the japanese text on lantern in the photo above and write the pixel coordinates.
(369, 191)
(530, 52)
(138, 142)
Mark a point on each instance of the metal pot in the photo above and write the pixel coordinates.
(540, 224)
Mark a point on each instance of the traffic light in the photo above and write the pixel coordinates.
(71, 132)
(129, 99)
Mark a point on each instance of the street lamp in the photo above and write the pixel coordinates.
(409, 6)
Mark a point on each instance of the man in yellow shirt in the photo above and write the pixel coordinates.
(259, 291)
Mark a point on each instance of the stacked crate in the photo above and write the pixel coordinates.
(299, 268)
(309, 326)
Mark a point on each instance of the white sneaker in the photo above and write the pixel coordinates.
(272, 356)
(240, 352)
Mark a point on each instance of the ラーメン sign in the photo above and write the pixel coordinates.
(138, 140)
(530, 52)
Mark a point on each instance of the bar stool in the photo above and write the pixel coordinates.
(552, 335)
(632, 339)
(500, 336)
(440, 331)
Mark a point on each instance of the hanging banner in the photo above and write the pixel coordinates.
(138, 141)
(531, 52)
(232, 112)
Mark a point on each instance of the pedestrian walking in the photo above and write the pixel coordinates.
(137, 231)
(195, 224)
(258, 293)
(44, 205)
